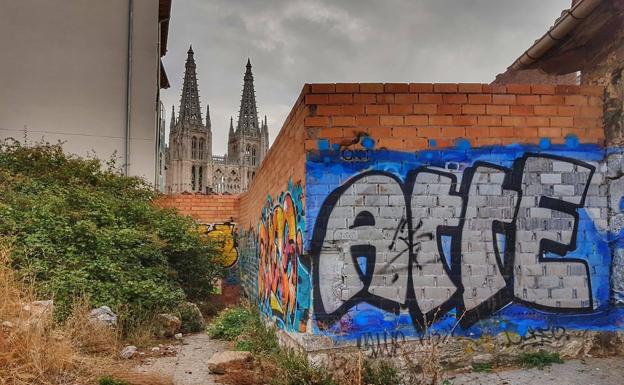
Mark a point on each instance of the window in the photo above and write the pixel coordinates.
(200, 177)
(193, 177)
(194, 148)
(201, 148)
(253, 156)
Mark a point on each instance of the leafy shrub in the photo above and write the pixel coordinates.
(296, 370)
(230, 323)
(82, 229)
(540, 359)
(482, 367)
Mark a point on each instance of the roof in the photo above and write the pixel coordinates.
(573, 39)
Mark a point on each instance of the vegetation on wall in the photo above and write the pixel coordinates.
(80, 228)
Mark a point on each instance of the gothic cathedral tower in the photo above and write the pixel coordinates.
(190, 140)
(191, 166)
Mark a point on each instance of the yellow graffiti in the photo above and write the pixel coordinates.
(223, 235)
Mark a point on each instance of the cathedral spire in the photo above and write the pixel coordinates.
(208, 123)
(189, 101)
(172, 124)
(248, 113)
(231, 126)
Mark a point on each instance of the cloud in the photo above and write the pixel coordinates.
(292, 42)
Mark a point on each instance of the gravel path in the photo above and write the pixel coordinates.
(589, 371)
(189, 366)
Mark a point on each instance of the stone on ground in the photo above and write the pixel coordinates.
(167, 325)
(222, 361)
(103, 315)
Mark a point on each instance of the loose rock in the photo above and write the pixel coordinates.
(220, 362)
(128, 352)
(483, 359)
(104, 316)
(167, 325)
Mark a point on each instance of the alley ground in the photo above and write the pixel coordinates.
(189, 367)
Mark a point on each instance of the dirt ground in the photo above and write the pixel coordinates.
(588, 371)
(189, 366)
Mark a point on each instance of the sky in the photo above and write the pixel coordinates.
(293, 42)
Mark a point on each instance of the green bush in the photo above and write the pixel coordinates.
(540, 359)
(111, 381)
(230, 323)
(82, 229)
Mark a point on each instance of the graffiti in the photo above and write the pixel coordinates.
(224, 236)
(283, 277)
(536, 336)
(381, 344)
(471, 233)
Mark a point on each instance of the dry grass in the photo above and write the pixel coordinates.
(35, 350)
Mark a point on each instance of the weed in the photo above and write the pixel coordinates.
(381, 373)
(298, 371)
(485, 367)
(111, 381)
(447, 382)
(230, 323)
(540, 359)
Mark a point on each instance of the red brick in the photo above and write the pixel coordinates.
(587, 123)
(455, 98)
(562, 121)
(430, 98)
(449, 109)
(476, 132)
(429, 132)
(364, 98)
(518, 88)
(406, 98)
(376, 109)
(371, 87)
(537, 121)
(347, 87)
(552, 99)
(333, 132)
(516, 121)
(473, 109)
(503, 99)
(549, 132)
(442, 120)
(502, 132)
(473, 88)
(480, 98)
(522, 110)
(417, 120)
(325, 109)
(526, 132)
(353, 109)
(568, 111)
(595, 101)
(385, 98)
(425, 108)
(545, 110)
(528, 99)
(343, 121)
(453, 132)
(489, 120)
(401, 108)
(421, 87)
(316, 99)
(496, 110)
(465, 120)
(543, 89)
(316, 121)
(340, 99)
(321, 88)
(391, 120)
(445, 87)
(592, 111)
(391, 143)
(494, 89)
(406, 131)
(369, 120)
(396, 87)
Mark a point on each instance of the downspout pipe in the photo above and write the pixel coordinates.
(562, 27)
(129, 86)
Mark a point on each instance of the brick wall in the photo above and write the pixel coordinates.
(204, 208)
(415, 116)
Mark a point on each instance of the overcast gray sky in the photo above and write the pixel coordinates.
(292, 42)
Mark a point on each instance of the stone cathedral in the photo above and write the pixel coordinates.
(190, 164)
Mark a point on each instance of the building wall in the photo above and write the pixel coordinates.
(204, 208)
(64, 77)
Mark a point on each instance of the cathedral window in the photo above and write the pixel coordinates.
(194, 148)
(253, 156)
(201, 148)
(200, 177)
(193, 178)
